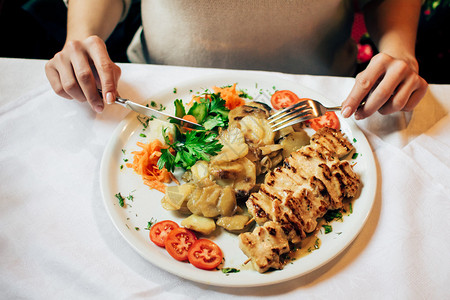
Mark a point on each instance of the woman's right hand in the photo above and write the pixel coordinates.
(80, 68)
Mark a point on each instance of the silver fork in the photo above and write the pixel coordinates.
(299, 112)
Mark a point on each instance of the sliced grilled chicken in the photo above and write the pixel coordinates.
(265, 245)
(332, 140)
(310, 182)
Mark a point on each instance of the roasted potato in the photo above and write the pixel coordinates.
(200, 224)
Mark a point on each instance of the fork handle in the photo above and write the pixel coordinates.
(337, 108)
(334, 108)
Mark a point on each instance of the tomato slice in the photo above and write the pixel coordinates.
(205, 254)
(178, 243)
(283, 98)
(160, 231)
(329, 119)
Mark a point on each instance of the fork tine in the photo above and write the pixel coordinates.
(309, 117)
(289, 108)
(289, 113)
(300, 114)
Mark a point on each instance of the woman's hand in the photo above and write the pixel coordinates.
(389, 84)
(80, 68)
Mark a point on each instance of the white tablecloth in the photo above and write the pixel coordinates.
(57, 241)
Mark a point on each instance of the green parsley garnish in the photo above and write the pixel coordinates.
(230, 270)
(194, 146)
(144, 121)
(316, 245)
(142, 135)
(121, 199)
(130, 197)
(355, 155)
(332, 215)
(150, 223)
(327, 228)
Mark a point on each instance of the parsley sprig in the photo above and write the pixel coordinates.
(189, 148)
(192, 146)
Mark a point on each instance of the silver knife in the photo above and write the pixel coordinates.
(153, 113)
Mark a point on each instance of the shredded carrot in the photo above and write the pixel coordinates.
(145, 164)
(198, 99)
(230, 95)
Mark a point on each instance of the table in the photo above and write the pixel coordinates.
(57, 241)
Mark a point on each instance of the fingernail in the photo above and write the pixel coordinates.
(358, 116)
(346, 112)
(109, 98)
(98, 108)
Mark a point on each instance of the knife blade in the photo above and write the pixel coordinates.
(153, 113)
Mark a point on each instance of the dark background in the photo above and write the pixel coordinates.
(36, 29)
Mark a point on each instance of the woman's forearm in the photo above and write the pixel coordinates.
(92, 17)
(392, 25)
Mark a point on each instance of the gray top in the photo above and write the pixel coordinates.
(292, 36)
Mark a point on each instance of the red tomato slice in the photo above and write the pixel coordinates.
(160, 231)
(329, 119)
(283, 98)
(178, 243)
(205, 254)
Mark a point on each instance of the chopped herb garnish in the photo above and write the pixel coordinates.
(332, 215)
(153, 104)
(350, 207)
(230, 270)
(142, 135)
(355, 155)
(327, 228)
(125, 159)
(245, 95)
(121, 167)
(121, 199)
(174, 90)
(123, 151)
(317, 244)
(144, 120)
(150, 223)
(315, 247)
(136, 228)
(354, 140)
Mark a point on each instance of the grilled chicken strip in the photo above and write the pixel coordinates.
(332, 140)
(265, 255)
(310, 182)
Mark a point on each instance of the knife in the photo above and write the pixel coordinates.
(153, 113)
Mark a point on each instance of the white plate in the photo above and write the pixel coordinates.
(146, 204)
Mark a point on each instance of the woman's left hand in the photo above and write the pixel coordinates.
(387, 85)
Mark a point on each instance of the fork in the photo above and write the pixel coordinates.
(299, 112)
